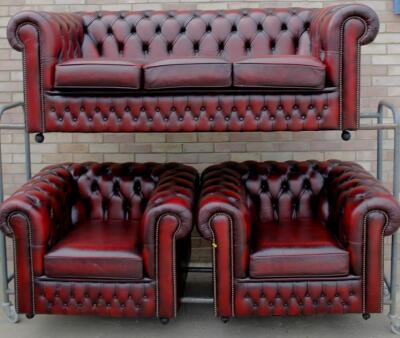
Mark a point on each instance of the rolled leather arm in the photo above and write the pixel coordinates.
(222, 192)
(43, 201)
(326, 27)
(57, 31)
(353, 193)
(174, 195)
(337, 34)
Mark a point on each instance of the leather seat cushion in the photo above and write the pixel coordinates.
(283, 71)
(98, 73)
(191, 72)
(97, 249)
(296, 248)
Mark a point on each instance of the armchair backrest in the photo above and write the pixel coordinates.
(231, 34)
(288, 190)
(112, 191)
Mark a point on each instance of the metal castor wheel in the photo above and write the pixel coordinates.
(164, 320)
(366, 316)
(225, 319)
(29, 315)
(39, 137)
(346, 136)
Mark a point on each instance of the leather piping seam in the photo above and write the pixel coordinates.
(173, 262)
(224, 214)
(30, 262)
(364, 258)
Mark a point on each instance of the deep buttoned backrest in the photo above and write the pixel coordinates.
(232, 34)
(287, 190)
(112, 191)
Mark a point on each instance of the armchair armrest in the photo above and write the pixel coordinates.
(174, 195)
(43, 202)
(362, 212)
(34, 217)
(168, 217)
(353, 193)
(45, 39)
(337, 33)
(223, 195)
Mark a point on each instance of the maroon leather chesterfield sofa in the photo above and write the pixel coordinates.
(105, 239)
(238, 70)
(296, 237)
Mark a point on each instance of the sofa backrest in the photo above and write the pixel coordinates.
(232, 34)
(288, 190)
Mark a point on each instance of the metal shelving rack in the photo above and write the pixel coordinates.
(390, 280)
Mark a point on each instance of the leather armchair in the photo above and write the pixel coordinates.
(106, 239)
(296, 237)
(235, 70)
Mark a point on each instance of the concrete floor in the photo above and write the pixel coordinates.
(198, 321)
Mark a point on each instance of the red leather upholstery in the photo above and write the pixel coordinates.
(290, 71)
(97, 249)
(190, 72)
(245, 206)
(296, 248)
(99, 73)
(45, 216)
(47, 39)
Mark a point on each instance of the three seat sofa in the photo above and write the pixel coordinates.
(236, 70)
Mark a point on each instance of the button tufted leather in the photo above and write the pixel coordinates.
(333, 206)
(91, 298)
(290, 71)
(298, 298)
(229, 36)
(98, 73)
(47, 215)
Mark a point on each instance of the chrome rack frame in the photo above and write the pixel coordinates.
(390, 282)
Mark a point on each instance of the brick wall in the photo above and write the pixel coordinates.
(380, 79)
